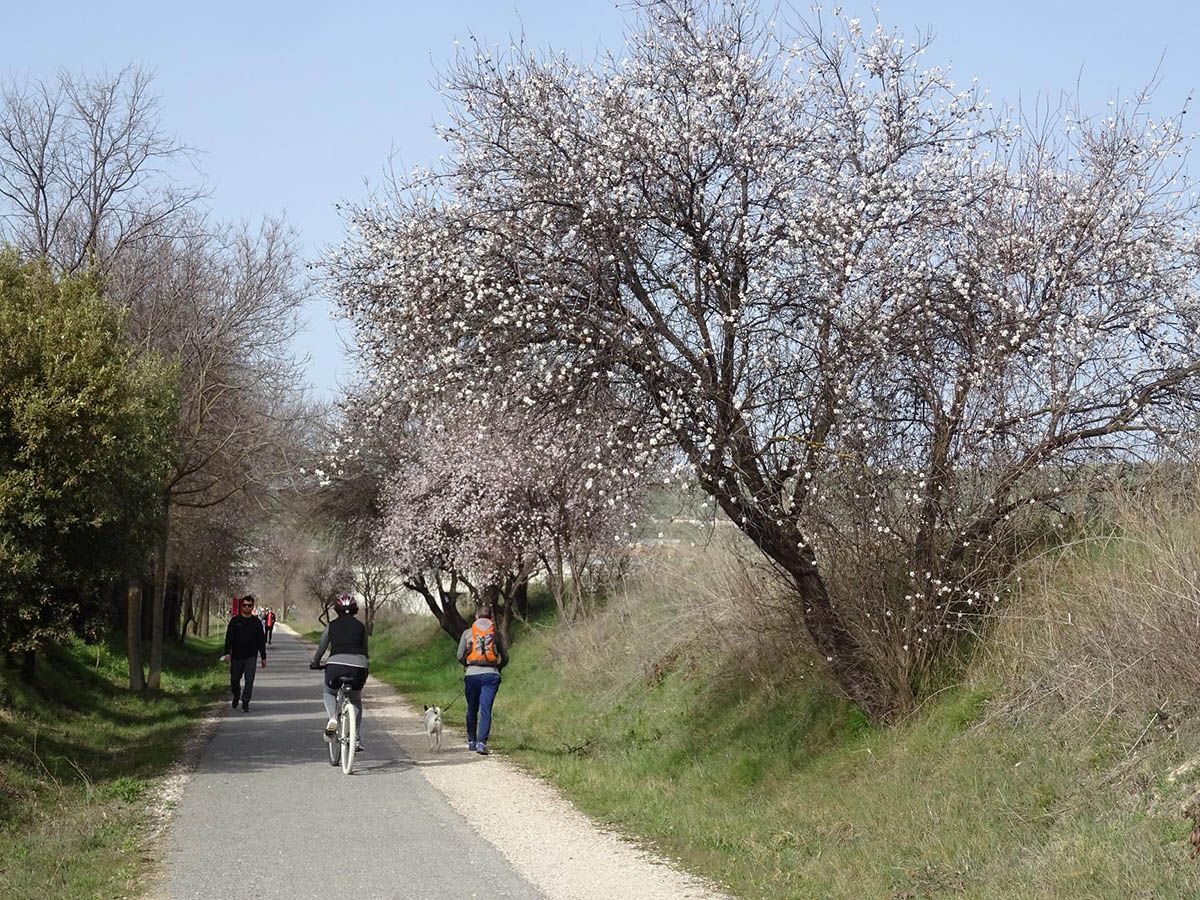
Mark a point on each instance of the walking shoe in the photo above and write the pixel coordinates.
(246, 706)
(358, 746)
(331, 726)
(235, 702)
(481, 749)
(471, 746)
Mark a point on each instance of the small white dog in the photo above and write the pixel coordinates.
(433, 726)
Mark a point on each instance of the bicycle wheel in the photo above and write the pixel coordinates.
(348, 729)
(335, 744)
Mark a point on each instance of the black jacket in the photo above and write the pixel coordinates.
(347, 635)
(346, 639)
(245, 637)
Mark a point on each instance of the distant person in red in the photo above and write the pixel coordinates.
(270, 622)
(245, 639)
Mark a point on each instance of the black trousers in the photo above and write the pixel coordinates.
(239, 668)
(270, 628)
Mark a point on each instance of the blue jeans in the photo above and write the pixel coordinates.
(481, 692)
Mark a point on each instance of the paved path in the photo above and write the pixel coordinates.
(264, 814)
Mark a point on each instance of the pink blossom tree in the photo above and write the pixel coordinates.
(478, 501)
(862, 307)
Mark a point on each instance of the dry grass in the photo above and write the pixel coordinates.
(685, 607)
(1108, 625)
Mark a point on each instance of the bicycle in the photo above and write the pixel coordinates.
(344, 741)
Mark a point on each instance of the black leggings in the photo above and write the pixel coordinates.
(333, 676)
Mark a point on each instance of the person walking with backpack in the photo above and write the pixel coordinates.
(245, 639)
(484, 652)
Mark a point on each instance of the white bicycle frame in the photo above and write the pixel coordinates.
(342, 744)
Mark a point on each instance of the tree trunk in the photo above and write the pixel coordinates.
(133, 629)
(501, 612)
(370, 615)
(847, 659)
(558, 582)
(520, 599)
(205, 613)
(173, 606)
(445, 611)
(189, 612)
(160, 602)
(29, 665)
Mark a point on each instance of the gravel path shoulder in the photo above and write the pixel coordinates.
(545, 838)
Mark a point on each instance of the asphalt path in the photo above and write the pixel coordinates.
(264, 814)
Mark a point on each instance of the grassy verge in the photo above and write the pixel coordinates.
(77, 753)
(784, 791)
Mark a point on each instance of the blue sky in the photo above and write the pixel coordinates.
(295, 104)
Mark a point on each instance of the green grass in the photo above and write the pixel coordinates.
(786, 792)
(77, 756)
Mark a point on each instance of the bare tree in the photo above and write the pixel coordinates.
(325, 580)
(223, 304)
(209, 549)
(85, 167)
(377, 582)
(284, 555)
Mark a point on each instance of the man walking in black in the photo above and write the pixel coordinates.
(244, 640)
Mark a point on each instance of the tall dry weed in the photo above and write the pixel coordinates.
(711, 605)
(1109, 624)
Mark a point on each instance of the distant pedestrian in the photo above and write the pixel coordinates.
(245, 639)
(270, 621)
(484, 652)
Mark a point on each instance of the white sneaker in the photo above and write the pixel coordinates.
(331, 726)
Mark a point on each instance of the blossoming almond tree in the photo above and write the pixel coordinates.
(855, 302)
(464, 497)
(483, 505)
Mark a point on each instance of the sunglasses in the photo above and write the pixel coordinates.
(248, 604)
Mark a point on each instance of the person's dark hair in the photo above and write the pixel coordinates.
(249, 597)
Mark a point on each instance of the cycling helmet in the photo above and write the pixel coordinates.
(345, 605)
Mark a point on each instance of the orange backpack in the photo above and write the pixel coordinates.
(483, 650)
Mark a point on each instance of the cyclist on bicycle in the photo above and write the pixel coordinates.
(346, 639)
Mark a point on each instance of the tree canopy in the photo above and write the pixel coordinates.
(85, 443)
